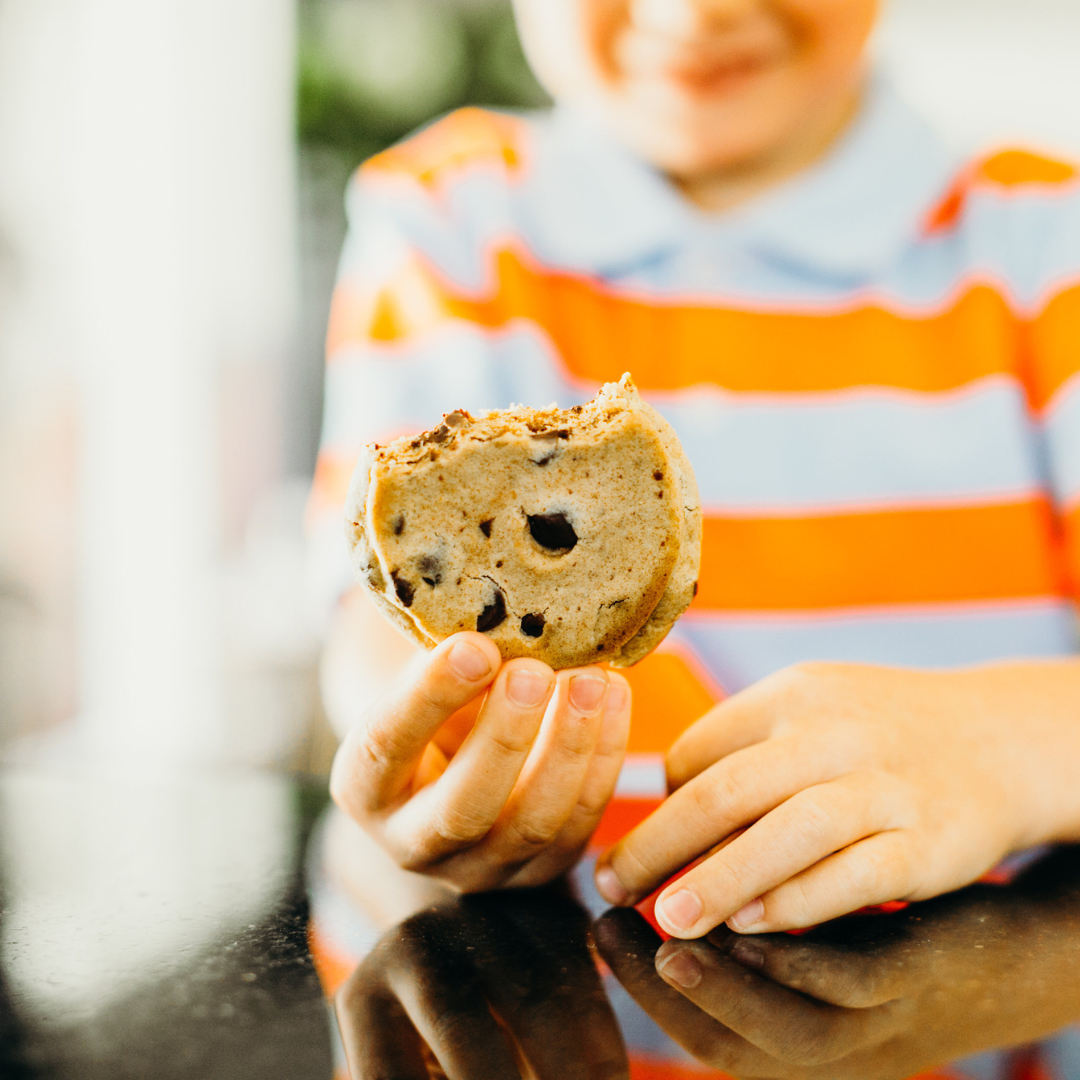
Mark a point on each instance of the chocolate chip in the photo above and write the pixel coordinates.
(659, 494)
(430, 567)
(403, 589)
(485, 527)
(695, 588)
(439, 435)
(553, 532)
(533, 625)
(658, 476)
(498, 565)
(550, 456)
(457, 418)
(399, 524)
(493, 615)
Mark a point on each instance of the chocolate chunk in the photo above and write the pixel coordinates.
(430, 567)
(485, 527)
(550, 456)
(399, 524)
(658, 475)
(493, 615)
(553, 532)
(403, 589)
(533, 625)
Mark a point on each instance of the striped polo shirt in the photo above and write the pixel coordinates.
(871, 367)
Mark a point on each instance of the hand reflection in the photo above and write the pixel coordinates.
(867, 997)
(483, 988)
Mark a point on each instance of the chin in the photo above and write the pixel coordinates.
(687, 148)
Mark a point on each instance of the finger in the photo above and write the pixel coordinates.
(595, 794)
(782, 1023)
(376, 761)
(875, 871)
(840, 974)
(464, 803)
(378, 1038)
(527, 967)
(735, 792)
(629, 946)
(548, 790)
(442, 996)
(740, 721)
(807, 828)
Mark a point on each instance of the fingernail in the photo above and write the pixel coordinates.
(750, 956)
(681, 967)
(527, 688)
(748, 917)
(610, 887)
(586, 693)
(681, 910)
(469, 662)
(618, 698)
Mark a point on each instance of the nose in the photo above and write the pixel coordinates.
(682, 18)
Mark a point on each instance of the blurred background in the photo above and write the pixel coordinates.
(171, 183)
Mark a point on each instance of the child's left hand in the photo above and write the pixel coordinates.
(859, 785)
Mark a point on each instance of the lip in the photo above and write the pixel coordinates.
(719, 76)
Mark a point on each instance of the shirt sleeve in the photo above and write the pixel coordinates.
(397, 357)
(1050, 346)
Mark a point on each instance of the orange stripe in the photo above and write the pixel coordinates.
(1071, 534)
(1051, 347)
(651, 1069)
(331, 965)
(465, 138)
(1010, 168)
(949, 555)
(1015, 168)
(620, 818)
(668, 698)
(600, 334)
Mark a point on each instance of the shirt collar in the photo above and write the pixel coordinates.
(849, 217)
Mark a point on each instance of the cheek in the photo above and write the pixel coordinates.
(570, 43)
(603, 22)
(832, 33)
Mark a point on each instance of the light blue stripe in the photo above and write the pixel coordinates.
(1063, 441)
(847, 450)
(739, 652)
(857, 449)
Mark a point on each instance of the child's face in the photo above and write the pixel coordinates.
(700, 85)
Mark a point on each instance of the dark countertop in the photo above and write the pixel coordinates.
(158, 929)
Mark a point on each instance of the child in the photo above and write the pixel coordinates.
(867, 348)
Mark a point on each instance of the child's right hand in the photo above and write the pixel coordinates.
(508, 801)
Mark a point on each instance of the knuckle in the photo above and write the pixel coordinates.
(815, 824)
(511, 743)
(715, 796)
(533, 835)
(458, 828)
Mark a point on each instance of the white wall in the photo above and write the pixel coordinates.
(990, 71)
(147, 196)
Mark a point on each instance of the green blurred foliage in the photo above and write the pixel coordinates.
(371, 71)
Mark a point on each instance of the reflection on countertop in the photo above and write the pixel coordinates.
(157, 927)
(485, 984)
